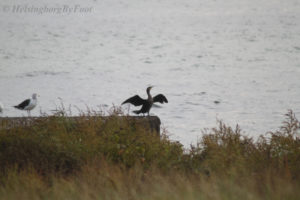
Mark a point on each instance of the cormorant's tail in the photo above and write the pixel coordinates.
(136, 112)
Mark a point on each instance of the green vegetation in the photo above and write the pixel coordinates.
(90, 158)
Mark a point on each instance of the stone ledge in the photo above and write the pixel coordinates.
(149, 122)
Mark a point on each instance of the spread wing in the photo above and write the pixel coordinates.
(135, 100)
(24, 104)
(160, 98)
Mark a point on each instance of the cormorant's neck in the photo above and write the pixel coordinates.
(149, 95)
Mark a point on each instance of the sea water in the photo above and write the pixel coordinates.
(236, 61)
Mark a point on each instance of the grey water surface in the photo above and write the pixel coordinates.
(234, 60)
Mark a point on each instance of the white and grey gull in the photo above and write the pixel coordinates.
(28, 104)
(1, 107)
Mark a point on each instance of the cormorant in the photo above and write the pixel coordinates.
(28, 104)
(146, 103)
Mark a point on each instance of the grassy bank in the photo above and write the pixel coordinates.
(57, 158)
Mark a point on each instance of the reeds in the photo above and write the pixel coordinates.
(92, 158)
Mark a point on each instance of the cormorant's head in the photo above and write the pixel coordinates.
(149, 88)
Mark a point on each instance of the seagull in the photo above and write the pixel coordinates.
(146, 103)
(28, 104)
(1, 107)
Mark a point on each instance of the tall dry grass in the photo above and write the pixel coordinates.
(117, 158)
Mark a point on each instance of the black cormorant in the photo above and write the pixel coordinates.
(146, 103)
